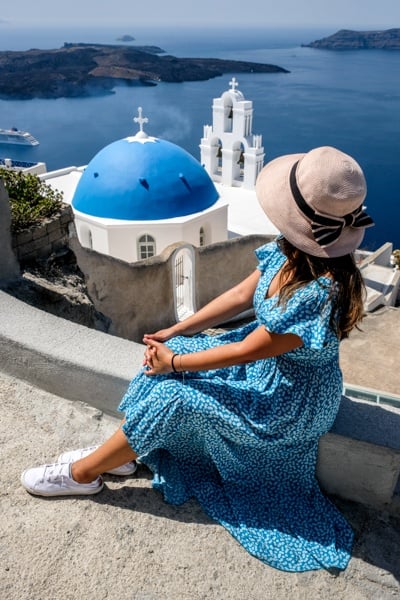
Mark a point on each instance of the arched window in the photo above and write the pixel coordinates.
(216, 157)
(146, 246)
(202, 237)
(219, 155)
(239, 161)
(228, 115)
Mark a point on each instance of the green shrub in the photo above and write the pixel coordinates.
(31, 200)
(395, 259)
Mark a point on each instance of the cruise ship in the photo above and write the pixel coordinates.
(15, 136)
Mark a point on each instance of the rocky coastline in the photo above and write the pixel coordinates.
(78, 70)
(347, 39)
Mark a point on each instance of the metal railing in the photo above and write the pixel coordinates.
(370, 395)
(6, 162)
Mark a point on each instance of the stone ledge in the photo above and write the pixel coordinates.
(358, 470)
(360, 457)
(65, 358)
(83, 364)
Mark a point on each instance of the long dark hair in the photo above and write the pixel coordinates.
(347, 290)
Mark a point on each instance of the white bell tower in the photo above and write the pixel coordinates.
(229, 151)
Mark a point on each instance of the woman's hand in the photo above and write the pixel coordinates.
(227, 305)
(157, 358)
(160, 336)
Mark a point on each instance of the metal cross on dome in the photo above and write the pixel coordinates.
(233, 83)
(140, 119)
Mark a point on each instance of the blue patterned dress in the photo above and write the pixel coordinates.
(243, 440)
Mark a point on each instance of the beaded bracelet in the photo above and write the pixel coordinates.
(172, 362)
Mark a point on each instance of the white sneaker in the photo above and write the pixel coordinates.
(56, 480)
(74, 455)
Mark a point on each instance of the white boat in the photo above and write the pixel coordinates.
(15, 136)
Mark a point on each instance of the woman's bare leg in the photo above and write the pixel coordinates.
(113, 453)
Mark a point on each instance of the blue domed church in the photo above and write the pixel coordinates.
(140, 194)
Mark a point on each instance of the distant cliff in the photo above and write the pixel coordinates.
(87, 69)
(345, 39)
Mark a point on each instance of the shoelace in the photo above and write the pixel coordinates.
(55, 473)
(89, 449)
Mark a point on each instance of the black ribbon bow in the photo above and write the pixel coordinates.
(326, 230)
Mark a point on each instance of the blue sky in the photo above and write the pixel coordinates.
(361, 14)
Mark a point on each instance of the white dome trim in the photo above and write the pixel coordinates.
(140, 139)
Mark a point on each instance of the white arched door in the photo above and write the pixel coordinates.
(183, 282)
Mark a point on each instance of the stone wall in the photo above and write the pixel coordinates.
(139, 297)
(9, 268)
(50, 236)
(224, 264)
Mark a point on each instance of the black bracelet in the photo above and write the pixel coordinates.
(172, 362)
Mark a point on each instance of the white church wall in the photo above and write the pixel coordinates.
(91, 234)
(124, 240)
(122, 243)
(242, 119)
(121, 239)
(214, 227)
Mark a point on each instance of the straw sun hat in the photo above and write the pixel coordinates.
(315, 200)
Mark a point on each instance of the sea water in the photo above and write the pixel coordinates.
(347, 99)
